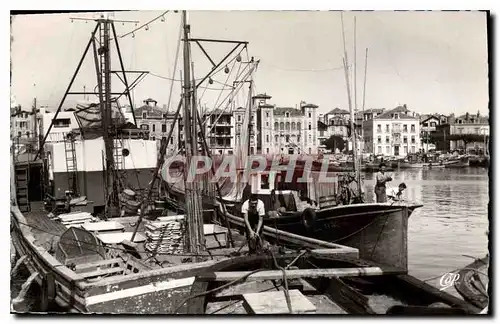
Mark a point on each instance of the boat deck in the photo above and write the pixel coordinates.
(47, 230)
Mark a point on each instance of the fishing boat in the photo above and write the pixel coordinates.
(334, 215)
(130, 265)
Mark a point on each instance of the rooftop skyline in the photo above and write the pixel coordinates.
(430, 61)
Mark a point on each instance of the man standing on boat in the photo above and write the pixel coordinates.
(380, 188)
(253, 211)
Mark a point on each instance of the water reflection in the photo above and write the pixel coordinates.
(452, 221)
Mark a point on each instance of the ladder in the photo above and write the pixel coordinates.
(118, 155)
(71, 167)
(22, 178)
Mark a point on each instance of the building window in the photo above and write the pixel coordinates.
(321, 133)
(28, 134)
(388, 150)
(58, 123)
(433, 124)
(293, 126)
(276, 126)
(379, 149)
(405, 128)
(267, 138)
(379, 128)
(387, 140)
(413, 149)
(276, 138)
(239, 118)
(413, 128)
(309, 117)
(164, 128)
(287, 126)
(405, 148)
(396, 116)
(154, 128)
(413, 139)
(287, 114)
(18, 134)
(145, 127)
(267, 150)
(379, 140)
(405, 139)
(267, 116)
(387, 128)
(282, 126)
(153, 138)
(267, 124)
(287, 138)
(309, 126)
(299, 127)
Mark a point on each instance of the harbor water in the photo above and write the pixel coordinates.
(443, 235)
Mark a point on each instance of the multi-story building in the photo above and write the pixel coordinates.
(428, 127)
(394, 132)
(286, 130)
(447, 136)
(220, 131)
(239, 116)
(21, 123)
(158, 123)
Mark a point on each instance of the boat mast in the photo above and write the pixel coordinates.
(364, 97)
(194, 231)
(353, 130)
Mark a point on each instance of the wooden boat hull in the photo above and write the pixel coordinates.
(377, 230)
(404, 165)
(350, 295)
(471, 283)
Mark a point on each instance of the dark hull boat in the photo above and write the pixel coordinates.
(377, 230)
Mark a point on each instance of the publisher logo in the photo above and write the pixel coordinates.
(448, 279)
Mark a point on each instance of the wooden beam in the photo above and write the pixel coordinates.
(301, 273)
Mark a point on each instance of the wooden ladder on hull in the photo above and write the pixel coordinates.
(22, 179)
(71, 167)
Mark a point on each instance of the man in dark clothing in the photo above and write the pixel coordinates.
(380, 188)
(253, 213)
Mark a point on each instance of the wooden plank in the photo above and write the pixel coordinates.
(116, 238)
(97, 263)
(103, 226)
(74, 216)
(274, 302)
(301, 273)
(102, 272)
(209, 229)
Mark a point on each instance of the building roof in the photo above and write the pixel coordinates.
(426, 117)
(402, 110)
(337, 111)
(262, 96)
(322, 126)
(482, 119)
(292, 111)
(266, 106)
(152, 112)
(309, 105)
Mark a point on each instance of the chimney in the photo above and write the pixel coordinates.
(467, 117)
(404, 106)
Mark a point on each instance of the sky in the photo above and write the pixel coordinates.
(430, 61)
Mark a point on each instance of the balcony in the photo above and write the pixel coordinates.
(220, 135)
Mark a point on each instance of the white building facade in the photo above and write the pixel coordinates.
(395, 132)
(286, 130)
